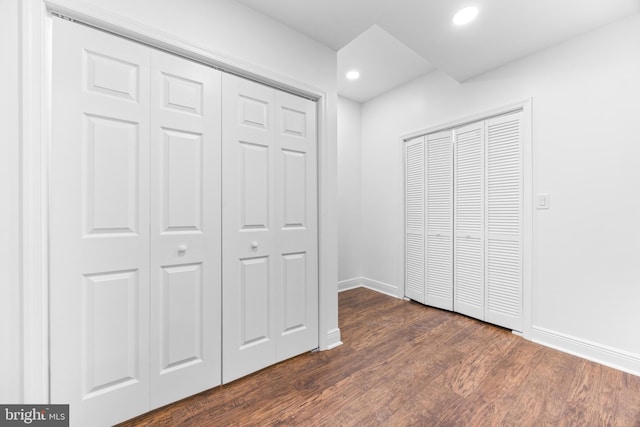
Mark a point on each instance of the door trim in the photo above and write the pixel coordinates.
(36, 51)
(527, 225)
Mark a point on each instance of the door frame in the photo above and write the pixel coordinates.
(36, 52)
(527, 224)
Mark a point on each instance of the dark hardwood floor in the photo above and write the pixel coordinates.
(404, 364)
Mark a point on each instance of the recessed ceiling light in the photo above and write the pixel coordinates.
(353, 75)
(465, 16)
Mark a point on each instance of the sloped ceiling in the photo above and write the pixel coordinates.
(392, 42)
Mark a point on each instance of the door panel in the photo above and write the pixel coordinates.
(182, 204)
(270, 274)
(254, 312)
(469, 221)
(504, 221)
(185, 228)
(181, 295)
(249, 271)
(254, 186)
(414, 219)
(111, 175)
(99, 241)
(110, 318)
(296, 219)
(439, 220)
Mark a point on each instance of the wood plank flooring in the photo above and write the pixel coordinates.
(404, 364)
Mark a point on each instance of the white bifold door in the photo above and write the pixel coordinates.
(463, 219)
(469, 220)
(135, 226)
(270, 265)
(439, 220)
(428, 220)
(414, 219)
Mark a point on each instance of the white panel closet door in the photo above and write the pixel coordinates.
(504, 221)
(414, 219)
(99, 225)
(469, 220)
(185, 228)
(249, 225)
(269, 216)
(296, 222)
(439, 220)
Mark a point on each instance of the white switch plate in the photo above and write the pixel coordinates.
(542, 201)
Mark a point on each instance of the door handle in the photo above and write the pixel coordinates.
(182, 249)
(254, 246)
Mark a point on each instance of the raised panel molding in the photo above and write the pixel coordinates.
(253, 112)
(182, 94)
(295, 183)
(254, 184)
(254, 312)
(181, 323)
(111, 76)
(110, 347)
(294, 122)
(182, 181)
(294, 280)
(111, 170)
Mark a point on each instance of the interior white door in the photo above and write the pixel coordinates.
(270, 267)
(185, 220)
(99, 225)
(135, 226)
(504, 221)
(469, 295)
(414, 160)
(439, 220)
(249, 227)
(296, 216)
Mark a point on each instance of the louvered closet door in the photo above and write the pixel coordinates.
(504, 221)
(469, 221)
(185, 228)
(99, 225)
(439, 220)
(414, 219)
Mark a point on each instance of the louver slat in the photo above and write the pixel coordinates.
(504, 221)
(414, 219)
(439, 186)
(469, 221)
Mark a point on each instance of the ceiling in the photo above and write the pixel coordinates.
(392, 42)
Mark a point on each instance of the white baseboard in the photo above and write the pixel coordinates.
(345, 285)
(595, 352)
(333, 339)
(374, 285)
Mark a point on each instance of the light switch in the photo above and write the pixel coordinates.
(542, 201)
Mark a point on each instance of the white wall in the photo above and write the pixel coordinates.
(349, 192)
(10, 297)
(586, 127)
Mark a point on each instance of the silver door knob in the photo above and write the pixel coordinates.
(182, 249)
(254, 246)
